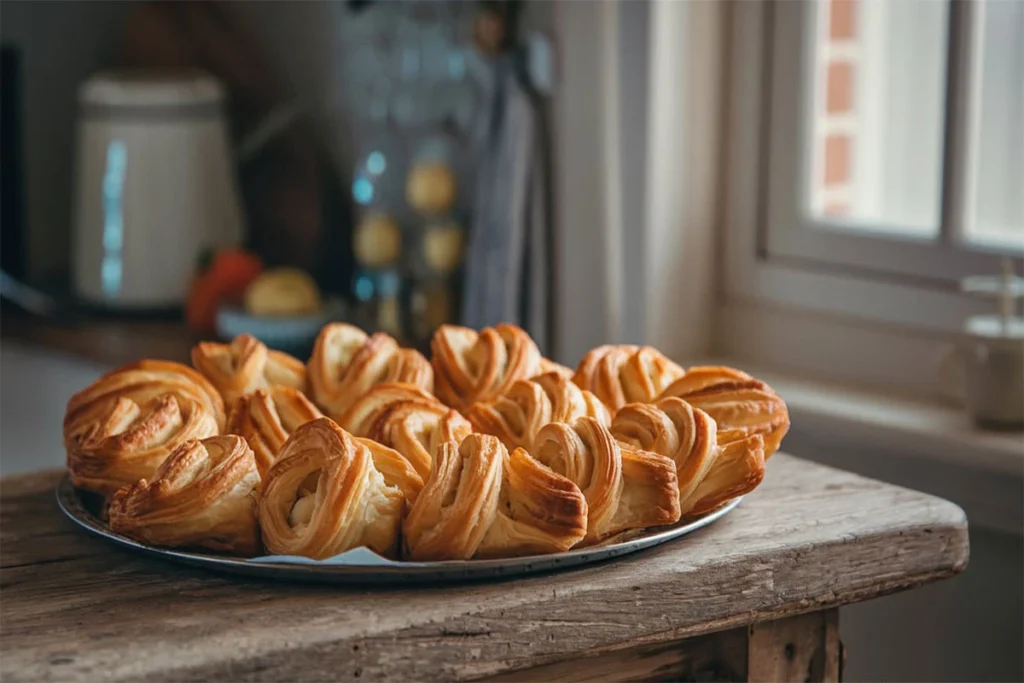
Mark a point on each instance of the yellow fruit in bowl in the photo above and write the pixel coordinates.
(377, 241)
(283, 292)
(430, 187)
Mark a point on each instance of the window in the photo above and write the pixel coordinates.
(894, 146)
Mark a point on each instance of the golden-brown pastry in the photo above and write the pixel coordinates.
(740, 404)
(324, 495)
(396, 470)
(131, 441)
(139, 382)
(516, 416)
(737, 470)
(626, 488)
(621, 374)
(267, 417)
(470, 367)
(709, 473)
(346, 363)
(202, 496)
(407, 419)
(366, 409)
(548, 366)
(245, 365)
(482, 502)
(676, 430)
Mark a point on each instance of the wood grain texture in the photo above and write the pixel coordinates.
(801, 648)
(720, 656)
(110, 342)
(811, 538)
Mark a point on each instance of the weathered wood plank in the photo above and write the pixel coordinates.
(798, 649)
(718, 656)
(811, 538)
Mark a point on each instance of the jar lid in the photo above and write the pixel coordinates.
(150, 88)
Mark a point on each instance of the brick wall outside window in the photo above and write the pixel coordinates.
(835, 118)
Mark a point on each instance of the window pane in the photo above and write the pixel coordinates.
(997, 209)
(878, 114)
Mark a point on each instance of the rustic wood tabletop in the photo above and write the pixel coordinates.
(110, 341)
(764, 582)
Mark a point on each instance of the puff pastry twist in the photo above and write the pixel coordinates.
(737, 470)
(139, 382)
(267, 417)
(130, 442)
(516, 416)
(325, 495)
(741, 405)
(200, 497)
(621, 374)
(480, 501)
(549, 366)
(625, 488)
(407, 419)
(675, 429)
(366, 409)
(245, 365)
(346, 363)
(709, 473)
(471, 366)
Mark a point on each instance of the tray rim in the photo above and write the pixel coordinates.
(393, 572)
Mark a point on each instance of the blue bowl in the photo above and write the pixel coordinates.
(285, 333)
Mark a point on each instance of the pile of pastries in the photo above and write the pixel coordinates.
(486, 450)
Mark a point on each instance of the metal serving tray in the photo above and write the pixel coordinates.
(362, 566)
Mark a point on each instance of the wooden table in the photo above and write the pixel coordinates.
(109, 341)
(754, 596)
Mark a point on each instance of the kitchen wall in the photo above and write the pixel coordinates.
(60, 43)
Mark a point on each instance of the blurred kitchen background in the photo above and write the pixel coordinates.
(827, 193)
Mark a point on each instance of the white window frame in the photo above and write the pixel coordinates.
(887, 281)
(657, 172)
(792, 232)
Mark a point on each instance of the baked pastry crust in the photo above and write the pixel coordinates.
(139, 381)
(621, 374)
(516, 416)
(741, 405)
(710, 473)
(737, 470)
(324, 495)
(407, 419)
(367, 409)
(131, 441)
(200, 497)
(396, 470)
(675, 429)
(245, 365)
(346, 363)
(480, 501)
(625, 488)
(471, 366)
(549, 366)
(267, 417)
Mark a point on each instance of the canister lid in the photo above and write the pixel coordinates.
(150, 88)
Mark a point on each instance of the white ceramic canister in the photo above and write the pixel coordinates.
(155, 185)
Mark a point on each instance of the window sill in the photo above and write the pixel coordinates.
(920, 445)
